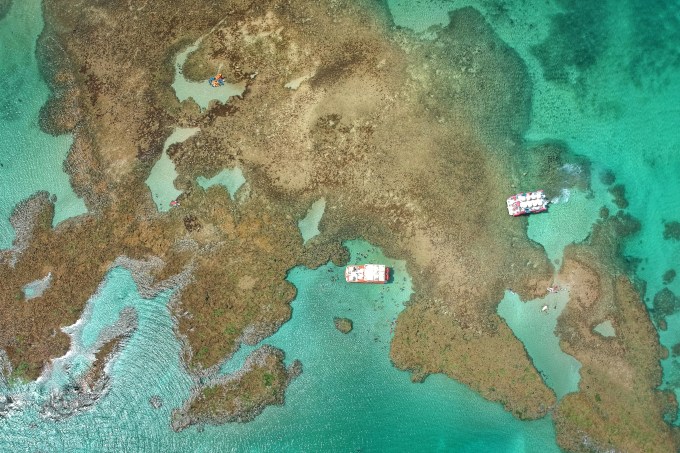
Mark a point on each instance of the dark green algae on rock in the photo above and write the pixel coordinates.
(241, 396)
(5, 5)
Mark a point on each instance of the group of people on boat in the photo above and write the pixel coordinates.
(216, 81)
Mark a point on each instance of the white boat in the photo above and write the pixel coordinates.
(367, 273)
(527, 203)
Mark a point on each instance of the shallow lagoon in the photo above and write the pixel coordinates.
(309, 225)
(605, 328)
(161, 180)
(230, 178)
(535, 328)
(30, 160)
(201, 92)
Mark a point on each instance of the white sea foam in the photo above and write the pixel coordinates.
(563, 197)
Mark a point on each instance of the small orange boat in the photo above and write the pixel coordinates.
(217, 81)
(367, 273)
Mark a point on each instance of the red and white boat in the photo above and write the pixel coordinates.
(367, 273)
(527, 203)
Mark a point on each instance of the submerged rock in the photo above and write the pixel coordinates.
(344, 325)
(607, 177)
(156, 402)
(619, 193)
(671, 230)
(665, 303)
(669, 276)
(4, 7)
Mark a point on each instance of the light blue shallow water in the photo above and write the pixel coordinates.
(348, 398)
(30, 160)
(201, 92)
(569, 220)
(37, 287)
(230, 178)
(309, 225)
(535, 326)
(161, 180)
(605, 328)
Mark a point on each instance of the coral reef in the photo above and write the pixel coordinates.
(618, 405)
(241, 396)
(619, 193)
(671, 230)
(344, 325)
(322, 139)
(364, 94)
(5, 5)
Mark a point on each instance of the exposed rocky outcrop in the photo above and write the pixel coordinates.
(344, 325)
(241, 396)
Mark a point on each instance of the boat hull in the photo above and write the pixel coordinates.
(367, 273)
(527, 203)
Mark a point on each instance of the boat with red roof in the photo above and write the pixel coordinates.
(367, 273)
(527, 203)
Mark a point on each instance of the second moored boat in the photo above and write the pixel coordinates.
(367, 273)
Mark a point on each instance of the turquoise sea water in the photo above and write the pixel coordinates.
(605, 81)
(535, 325)
(348, 398)
(30, 160)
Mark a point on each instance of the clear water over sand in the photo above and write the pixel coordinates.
(161, 180)
(309, 225)
(605, 328)
(37, 287)
(30, 160)
(230, 178)
(569, 220)
(349, 396)
(201, 92)
(535, 327)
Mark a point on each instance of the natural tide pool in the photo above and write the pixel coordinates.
(569, 220)
(37, 287)
(309, 225)
(230, 178)
(161, 180)
(534, 326)
(605, 328)
(201, 92)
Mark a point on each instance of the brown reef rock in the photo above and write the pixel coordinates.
(618, 406)
(437, 125)
(240, 397)
(344, 325)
